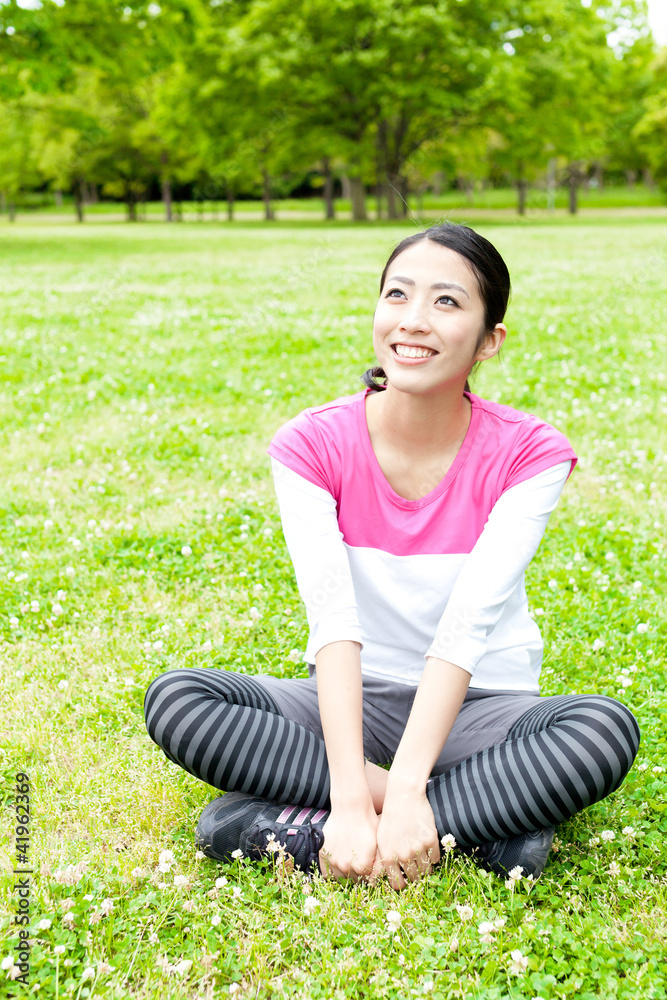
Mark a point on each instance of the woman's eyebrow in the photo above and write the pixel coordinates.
(438, 284)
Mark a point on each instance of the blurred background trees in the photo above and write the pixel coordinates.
(217, 101)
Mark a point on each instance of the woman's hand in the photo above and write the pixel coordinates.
(406, 837)
(350, 843)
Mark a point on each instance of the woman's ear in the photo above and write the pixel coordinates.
(493, 342)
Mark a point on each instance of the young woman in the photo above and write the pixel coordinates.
(410, 510)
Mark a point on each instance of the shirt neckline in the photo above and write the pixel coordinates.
(450, 475)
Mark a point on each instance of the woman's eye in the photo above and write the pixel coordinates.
(449, 299)
(392, 290)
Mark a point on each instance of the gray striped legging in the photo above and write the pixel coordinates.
(562, 755)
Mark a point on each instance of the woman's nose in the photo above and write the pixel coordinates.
(415, 317)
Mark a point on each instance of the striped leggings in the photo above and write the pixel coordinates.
(563, 754)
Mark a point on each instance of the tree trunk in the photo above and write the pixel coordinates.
(78, 199)
(551, 184)
(438, 182)
(346, 187)
(12, 211)
(166, 198)
(358, 196)
(630, 178)
(94, 193)
(266, 195)
(330, 212)
(58, 198)
(573, 182)
(521, 190)
(392, 197)
(131, 204)
(649, 179)
(230, 203)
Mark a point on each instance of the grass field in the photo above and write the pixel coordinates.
(143, 371)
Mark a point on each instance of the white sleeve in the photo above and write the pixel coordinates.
(495, 568)
(318, 554)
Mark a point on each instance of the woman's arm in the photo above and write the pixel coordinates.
(350, 832)
(314, 540)
(488, 578)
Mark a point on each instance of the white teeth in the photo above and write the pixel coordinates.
(413, 352)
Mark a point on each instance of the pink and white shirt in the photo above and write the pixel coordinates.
(439, 576)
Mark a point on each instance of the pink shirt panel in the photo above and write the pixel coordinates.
(330, 446)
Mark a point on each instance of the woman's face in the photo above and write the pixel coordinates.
(428, 320)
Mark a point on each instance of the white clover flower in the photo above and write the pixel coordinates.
(221, 882)
(44, 925)
(238, 853)
(234, 988)
(237, 892)
(448, 842)
(255, 613)
(394, 921)
(88, 973)
(106, 907)
(294, 656)
(59, 949)
(137, 873)
(104, 968)
(7, 962)
(642, 627)
(499, 922)
(628, 831)
(166, 857)
(188, 906)
(14, 972)
(614, 869)
(182, 967)
(608, 835)
(310, 904)
(152, 938)
(519, 962)
(181, 880)
(486, 930)
(642, 767)
(516, 873)
(68, 918)
(199, 855)
(464, 912)
(597, 645)
(657, 769)
(625, 682)
(454, 944)
(163, 867)
(186, 550)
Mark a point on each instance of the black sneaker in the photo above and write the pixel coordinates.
(237, 821)
(528, 851)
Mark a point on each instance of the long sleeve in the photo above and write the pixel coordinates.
(494, 571)
(315, 544)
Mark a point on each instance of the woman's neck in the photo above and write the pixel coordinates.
(420, 425)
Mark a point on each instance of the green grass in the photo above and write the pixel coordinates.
(143, 370)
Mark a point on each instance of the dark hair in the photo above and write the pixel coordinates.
(486, 264)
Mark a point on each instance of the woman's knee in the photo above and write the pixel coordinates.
(160, 694)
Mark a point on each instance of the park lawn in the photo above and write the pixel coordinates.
(144, 370)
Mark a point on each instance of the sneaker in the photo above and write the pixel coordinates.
(529, 851)
(237, 821)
